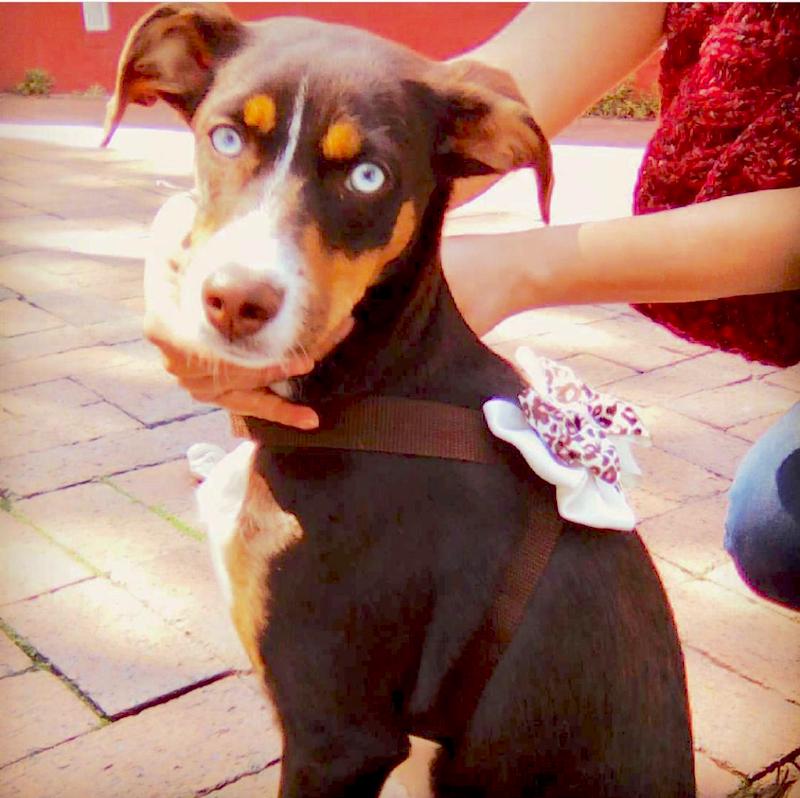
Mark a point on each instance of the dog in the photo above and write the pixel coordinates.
(325, 159)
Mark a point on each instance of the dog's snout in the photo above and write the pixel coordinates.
(239, 304)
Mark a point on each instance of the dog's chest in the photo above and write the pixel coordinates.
(246, 530)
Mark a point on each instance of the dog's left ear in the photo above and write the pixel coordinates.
(171, 53)
(484, 126)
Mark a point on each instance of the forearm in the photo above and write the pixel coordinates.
(563, 56)
(745, 244)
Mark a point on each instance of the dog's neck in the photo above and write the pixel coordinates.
(409, 339)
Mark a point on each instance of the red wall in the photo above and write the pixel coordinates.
(52, 36)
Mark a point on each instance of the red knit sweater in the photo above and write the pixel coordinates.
(730, 123)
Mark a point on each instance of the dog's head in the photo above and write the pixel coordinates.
(318, 149)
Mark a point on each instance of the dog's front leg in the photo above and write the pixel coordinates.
(330, 772)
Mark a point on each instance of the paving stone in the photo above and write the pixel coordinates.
(624, 349)
(411, 779)
(694, 441)
(39, 711)
(747, 638)
(48, 342)
(597, 372)
(144, 390)
(673, 477)
(646, 333)
(12, 658)
(134, 305)
(728, 577)
(111, 236)
(181, 748)
(56, 468)
(108, 529)
(753, 430)
(115, 332)
(118, 652)
(545, 320)
(689, 536)
(168, 486)
(36, 431)
(712, 780)
(30, 564)
(81, 306)
(785, 378)
(736, 722)
(671, 575)
(47, 398)
(263, 784)
(182, 588)
(25, 232)
(13, 210)
(41, 271)
(736, 404)
(665, 384)
(646, 504)
(18, 317)
(57, 366)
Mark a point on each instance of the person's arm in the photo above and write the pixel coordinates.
(744, 244)
(563, 57)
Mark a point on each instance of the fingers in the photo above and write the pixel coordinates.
(196, 369)
(270, 407)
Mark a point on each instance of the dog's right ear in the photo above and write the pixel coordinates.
(171, 53)
(483, 124)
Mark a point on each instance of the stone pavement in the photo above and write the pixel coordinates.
(119, 673)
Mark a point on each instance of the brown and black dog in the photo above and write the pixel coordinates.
(325, 158)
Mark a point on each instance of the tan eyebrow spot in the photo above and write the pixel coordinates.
(259, 112)
(342, 140)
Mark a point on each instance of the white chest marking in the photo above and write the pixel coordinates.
(219, 502)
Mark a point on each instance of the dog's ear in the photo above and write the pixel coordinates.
(484, 126)
(171, 53)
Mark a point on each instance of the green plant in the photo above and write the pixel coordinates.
(95, 90)
(36, 81)
(626, 102)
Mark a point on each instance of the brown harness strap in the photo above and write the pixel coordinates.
(421, 428)
(468, 677)
(395, 425)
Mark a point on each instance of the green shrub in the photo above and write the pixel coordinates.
(95, 90)
(625, 102)
(36, 81)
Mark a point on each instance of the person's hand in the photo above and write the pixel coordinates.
(208, 379)
(240, 389)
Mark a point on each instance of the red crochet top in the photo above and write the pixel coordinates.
(730, 123)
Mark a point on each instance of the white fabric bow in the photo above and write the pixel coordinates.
(574, 438)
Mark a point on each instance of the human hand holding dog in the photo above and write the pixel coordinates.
(239, 389)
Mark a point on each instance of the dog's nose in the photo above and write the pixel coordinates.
(239, 304)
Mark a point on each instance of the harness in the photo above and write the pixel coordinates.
(421, 428)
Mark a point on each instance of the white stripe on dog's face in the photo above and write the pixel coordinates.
(281, 171)
(258, 241)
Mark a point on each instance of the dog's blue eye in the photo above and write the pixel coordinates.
(366, 178)
(226, 140)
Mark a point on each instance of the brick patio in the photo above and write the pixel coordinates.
(119, 673)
